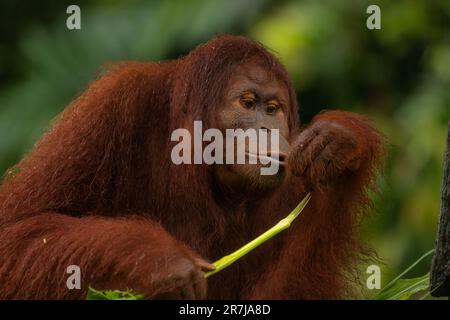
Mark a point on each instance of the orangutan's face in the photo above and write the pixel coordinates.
(255, 99)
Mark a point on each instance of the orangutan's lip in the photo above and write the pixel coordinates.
(275, 157)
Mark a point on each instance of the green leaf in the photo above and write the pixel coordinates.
(94, 294)
(403, 289)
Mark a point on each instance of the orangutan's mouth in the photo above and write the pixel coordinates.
(274, 157)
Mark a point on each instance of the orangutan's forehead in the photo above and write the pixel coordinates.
(253, 75)
(254, 71)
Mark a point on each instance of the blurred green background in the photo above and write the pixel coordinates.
(399, 76)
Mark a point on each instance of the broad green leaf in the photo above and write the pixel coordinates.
(403, 289)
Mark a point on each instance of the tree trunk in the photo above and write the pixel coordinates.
(440, 268)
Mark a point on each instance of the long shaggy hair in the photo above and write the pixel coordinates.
(100, 185)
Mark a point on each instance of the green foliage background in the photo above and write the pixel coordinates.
(399, 76)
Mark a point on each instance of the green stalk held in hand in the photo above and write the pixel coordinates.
(280, 226)
(221, 263)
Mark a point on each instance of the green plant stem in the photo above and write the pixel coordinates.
(280, 226)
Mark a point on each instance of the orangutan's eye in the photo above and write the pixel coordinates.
(271, 108)
(248, 103)
(248, 100)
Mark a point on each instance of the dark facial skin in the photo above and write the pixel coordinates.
(254, 99)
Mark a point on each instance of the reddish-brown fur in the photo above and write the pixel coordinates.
(100, 188)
